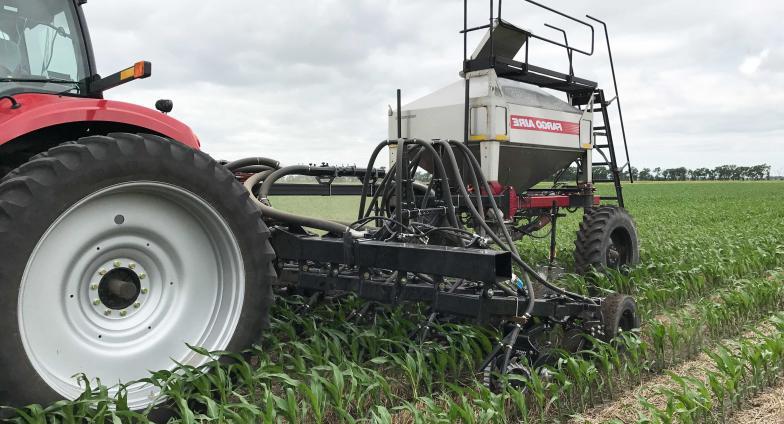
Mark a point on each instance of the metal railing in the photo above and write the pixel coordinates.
(496, 17)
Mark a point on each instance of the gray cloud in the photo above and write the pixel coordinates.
(310, 80)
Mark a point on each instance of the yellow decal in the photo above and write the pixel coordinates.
(126, 73)
(484, 137)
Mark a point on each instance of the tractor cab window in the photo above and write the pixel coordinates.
(41, 48)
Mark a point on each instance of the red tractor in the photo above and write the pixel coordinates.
(118, 244)
(122, 243)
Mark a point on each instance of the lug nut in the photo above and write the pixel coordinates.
(97, 302)
(107, 312)
(305, 268)
(117, 264)
(123, 313)
(366, 276)
(490, 293)
(93, 286)
(132, 265)
(136, 305)
(142, 276)
(102, 272)
(144, 290)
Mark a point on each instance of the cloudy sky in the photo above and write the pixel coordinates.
(702, 82)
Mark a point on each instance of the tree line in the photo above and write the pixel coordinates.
(722, 173)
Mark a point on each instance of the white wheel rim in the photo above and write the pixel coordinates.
(191, 289)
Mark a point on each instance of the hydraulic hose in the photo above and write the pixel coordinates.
(474, 180)
(445, 188)
(266, 186)
(477, 215)
(239, 163)
(510, 248)
(252, 169)
(380, 189)
(310, 222)
(366, 180)
(255, 179)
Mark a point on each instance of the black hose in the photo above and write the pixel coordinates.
(305, 221)
(366, 179)
(477, 215)
(266, 186)
(239, 163)
(253, 169)
(510, 248)
(446, 190)
(474, 180)
(255, 179)
(290, 218)
(380, 189)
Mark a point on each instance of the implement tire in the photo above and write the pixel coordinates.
(606, 239)
(619, 313)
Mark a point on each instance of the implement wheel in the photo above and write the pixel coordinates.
(606, 239)
(619, 313)
(117, 251)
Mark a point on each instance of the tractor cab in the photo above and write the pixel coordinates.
(43, 48)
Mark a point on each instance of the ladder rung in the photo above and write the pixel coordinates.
(608, 197)
(601, 164)
(600, 134)
(603, 180)
(601, 128)
(601, 146)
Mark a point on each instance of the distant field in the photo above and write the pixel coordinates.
(339, 208)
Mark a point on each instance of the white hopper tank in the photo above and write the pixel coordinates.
(521, 134)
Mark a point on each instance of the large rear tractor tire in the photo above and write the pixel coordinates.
(115, 252)
(607, 239)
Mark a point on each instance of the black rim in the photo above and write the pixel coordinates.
(619, 249)
(627, 321)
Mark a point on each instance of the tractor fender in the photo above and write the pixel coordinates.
(37, 111)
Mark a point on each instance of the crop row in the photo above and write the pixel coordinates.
(309, 370)
(740, 372)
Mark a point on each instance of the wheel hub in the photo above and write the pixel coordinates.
(119, 288)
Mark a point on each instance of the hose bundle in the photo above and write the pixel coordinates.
(375, 202)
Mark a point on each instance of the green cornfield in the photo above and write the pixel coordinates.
(710, 290)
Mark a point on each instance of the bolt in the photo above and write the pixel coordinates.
(366, 276)
(97, 302)
(132, 265)
(117, 264)
(107, 312)
(142, 276)
(93, 286)
(136, 305)
(403, 280)
(123, 313)
(102, 272)
(490, 293)
(305, 268)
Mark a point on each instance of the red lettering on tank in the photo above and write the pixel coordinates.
(532, 123)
